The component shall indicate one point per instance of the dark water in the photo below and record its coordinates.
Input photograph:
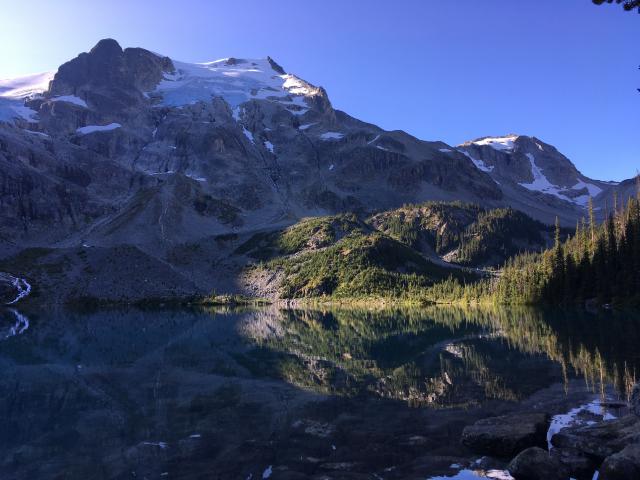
(289, 394)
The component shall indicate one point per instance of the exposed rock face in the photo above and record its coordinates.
(535, 463)
(109, 78)
(600, 440)
(507, 435)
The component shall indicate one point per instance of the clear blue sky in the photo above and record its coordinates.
(565, 71)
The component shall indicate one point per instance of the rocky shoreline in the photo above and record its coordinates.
(578, 446)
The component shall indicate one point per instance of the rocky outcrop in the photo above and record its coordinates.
(507, 435)
(108, 76)
(613, 446)
(535, 463)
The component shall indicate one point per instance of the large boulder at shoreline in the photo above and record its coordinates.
(535, 463)
(622, 465)
(507, 435)
(580, 465)
(600, 440)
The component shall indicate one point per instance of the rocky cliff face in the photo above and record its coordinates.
(129, 147)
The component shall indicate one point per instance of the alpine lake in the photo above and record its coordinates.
(340, 393)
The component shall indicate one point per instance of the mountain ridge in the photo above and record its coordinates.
(127, 147)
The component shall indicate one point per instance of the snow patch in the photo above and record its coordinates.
(475, 474)
(541, 183)
(498, 143)
(40, 134)
(26, 86)
(12, 109)
(306, 126)
(332, 136)
(97, 128)
(267, 472)
(269, 146)
(235, 80)
(14, 91)
(71, 99)
(248, 134)
(194, 177)
(480, 165)
(236, 113)
(445, 150)
(374, 140)
(593, 190)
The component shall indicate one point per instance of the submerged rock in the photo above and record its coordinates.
(535, 463)
(507, 435)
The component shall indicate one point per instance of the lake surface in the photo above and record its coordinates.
(289, 394)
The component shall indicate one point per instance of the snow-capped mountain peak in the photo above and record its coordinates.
(235, 80)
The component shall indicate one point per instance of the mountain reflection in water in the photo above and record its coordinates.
(104, 393)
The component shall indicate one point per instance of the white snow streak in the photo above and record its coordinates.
(71, 99)
(480, 165)
(331, 136)
(97, 128)
(248, 134)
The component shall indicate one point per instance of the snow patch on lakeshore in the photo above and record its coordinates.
(572, 418)
(467, 474)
